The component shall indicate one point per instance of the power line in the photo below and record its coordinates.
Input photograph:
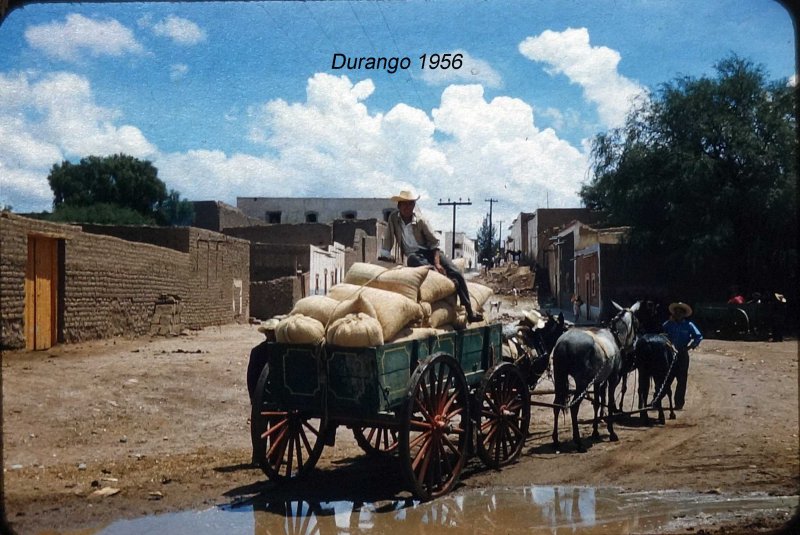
(454, 204)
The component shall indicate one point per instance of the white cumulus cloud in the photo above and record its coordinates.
(471, 71)
(47, 118)
(79, 35)
(329, 144)
(594, 68)
(181, 31)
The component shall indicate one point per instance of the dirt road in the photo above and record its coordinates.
(165, 423)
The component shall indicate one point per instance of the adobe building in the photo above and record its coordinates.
(291, 261)
(293, 210)
(598, 265)
(67, 283)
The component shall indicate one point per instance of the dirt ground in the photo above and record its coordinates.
(164, 422)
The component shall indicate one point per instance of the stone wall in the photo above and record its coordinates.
(111, 286)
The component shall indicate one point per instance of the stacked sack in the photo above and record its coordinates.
(375, 305)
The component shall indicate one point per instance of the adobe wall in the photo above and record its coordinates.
(271, 260)
(216, 216)
(317, 234)
(271, 298)
(111, 286)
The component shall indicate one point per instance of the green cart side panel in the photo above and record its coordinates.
(295, 380)
(472, 345)
(494, 350)
(365, 382)
(444, 343)
(352, 384)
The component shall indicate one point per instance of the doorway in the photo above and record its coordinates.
(41, 293)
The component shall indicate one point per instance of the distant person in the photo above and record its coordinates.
(515, 296)
(420, 246)
(684, 335)
(777, 317)
(577, 302)
(736, 297)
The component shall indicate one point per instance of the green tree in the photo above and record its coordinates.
(92, 189)
(485, 242)
(705, 173)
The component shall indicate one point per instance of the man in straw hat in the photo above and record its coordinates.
(684, 335)
(421, 247)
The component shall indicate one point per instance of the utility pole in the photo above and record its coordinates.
(500, 236)
(454, 204)
(491, 232)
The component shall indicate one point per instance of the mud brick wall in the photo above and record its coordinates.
(271, 298)
(218, 279)
(216, 216)
(270, 261)
(111, 286)
(318, 234)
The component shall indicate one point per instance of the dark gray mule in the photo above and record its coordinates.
(654, 357)
(591, 356)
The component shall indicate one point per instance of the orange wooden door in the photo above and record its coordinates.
(41, 293)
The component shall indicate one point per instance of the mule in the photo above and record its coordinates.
(654, 357)
(592, 356)
(532, 346)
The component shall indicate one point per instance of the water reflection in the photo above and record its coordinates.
(546, 510)
(528, 510)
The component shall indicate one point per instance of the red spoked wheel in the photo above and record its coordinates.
(504, 415)
(288, 442)
(376, 440)
(435, 427)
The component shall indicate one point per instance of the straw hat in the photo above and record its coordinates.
(680, 308)
(405, 196)
(535, 318)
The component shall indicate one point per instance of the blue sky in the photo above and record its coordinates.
(240, 99)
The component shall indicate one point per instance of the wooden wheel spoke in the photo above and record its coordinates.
(423, 409)
(271, 430)
(422, 453)
(311, 428)
(419, 425)
(419, 438)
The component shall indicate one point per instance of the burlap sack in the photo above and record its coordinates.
(442, 313)
(355, 330)
(318, 307)
(355, 305)
(299, 329)
(478, 295)
(435, 287)
(392, 309)
(361, 273)
(460, 263)
(415, 333)
(403, 280)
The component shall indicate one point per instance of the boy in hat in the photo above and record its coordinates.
(421, 247)
(684, 335)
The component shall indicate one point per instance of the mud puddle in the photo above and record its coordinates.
(529, 510)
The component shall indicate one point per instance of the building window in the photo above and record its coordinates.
(350, 214)
(311, 217)
(273, 217)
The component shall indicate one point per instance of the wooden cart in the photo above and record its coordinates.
(430, 402)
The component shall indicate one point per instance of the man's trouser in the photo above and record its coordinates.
(425, 257)
(681, 374)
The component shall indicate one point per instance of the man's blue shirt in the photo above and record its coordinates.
(683, 333)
